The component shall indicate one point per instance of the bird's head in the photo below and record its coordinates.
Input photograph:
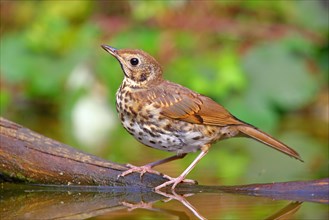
(139, 68)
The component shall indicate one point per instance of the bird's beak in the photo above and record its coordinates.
(110, 50)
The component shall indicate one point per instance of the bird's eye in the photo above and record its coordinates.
(134, 61)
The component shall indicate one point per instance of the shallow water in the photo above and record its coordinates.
(46, 202)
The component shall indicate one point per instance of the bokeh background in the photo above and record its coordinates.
(265, 61)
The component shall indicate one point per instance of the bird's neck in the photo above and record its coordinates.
(127, 82)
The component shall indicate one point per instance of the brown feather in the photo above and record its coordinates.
(185, 105)
(268, 140)
(214, 114)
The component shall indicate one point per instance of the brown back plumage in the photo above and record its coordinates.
(180, 103)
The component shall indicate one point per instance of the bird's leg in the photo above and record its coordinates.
(169, 197)
(148, 167)
(180, 178)
(182, 199)
(166, 160)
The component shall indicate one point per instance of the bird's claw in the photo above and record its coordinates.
(174, 181)
(141, 205)
(135, 169)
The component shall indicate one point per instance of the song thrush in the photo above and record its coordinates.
(170, 117)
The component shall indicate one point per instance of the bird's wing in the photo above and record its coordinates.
(180, 103)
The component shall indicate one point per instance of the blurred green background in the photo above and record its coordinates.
(265, 61)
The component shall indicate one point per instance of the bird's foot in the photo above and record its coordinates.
(135, 169)
(174, 181)
(141, 205)
(182, 199)
(172, 195)
(189, 181)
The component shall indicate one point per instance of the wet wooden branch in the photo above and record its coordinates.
(27, 156)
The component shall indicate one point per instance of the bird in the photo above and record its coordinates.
(170, 117)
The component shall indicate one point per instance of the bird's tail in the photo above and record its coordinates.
(268, 140)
